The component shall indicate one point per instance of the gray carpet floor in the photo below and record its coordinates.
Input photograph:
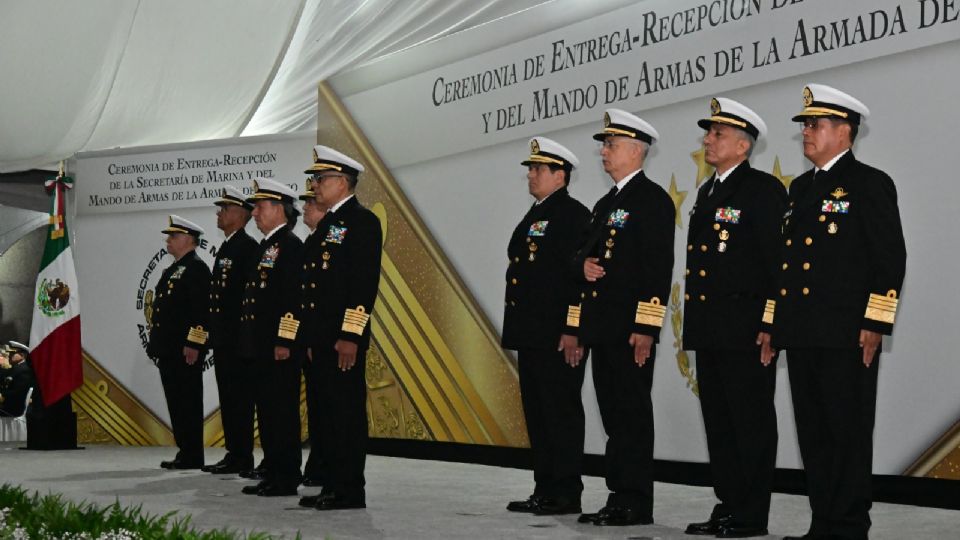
(405, 499)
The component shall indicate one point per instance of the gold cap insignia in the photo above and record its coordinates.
(170, 221)
(534, 146)
(315, 156)
(256, 186)
(807, 96)
(606, 119)
(714, 106)
(306, 185)
(839, 193)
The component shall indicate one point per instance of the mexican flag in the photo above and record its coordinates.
(55, 334)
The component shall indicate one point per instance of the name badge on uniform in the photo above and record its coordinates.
(618, 218)
(538, 228)
(727, 215)
(178, 271)
(836, 207)
(336, 234)
(270, 257)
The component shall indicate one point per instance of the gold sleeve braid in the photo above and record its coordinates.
(288, 327)
(197, 335)
(355, 320)
(768, 311)
(882, 308)
(573, 316)
(650, 313)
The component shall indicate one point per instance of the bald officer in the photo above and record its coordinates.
(540, 282)
(843, 263)
(269, 323)
(178, 339)
(341, 288)
(733, 253)
(626, 261)
(234, 376)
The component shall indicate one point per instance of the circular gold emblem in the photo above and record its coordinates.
(606, 119)
(714, 106)
(534, 146)
(807, 96)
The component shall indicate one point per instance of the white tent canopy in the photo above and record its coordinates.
(78, 76)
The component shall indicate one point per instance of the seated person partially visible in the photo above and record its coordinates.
(16, 381)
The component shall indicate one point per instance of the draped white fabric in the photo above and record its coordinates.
(106, 73)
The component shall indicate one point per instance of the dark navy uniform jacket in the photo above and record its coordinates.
(632, 233)
(843, 258)
(733, 259)
(181, 308)
(540, 278)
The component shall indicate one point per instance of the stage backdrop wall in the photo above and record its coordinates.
(453, 135)
(442, 139)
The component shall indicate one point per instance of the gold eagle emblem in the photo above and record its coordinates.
(839, 193)
(807, 96)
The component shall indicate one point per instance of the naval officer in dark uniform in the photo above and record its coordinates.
(234, 376)
(341, 290)
(843, 262)
(16, 380)
(178, 339)
(540, 283)
(314, 470)
(626, 261)
(269, 323)
(733, 250)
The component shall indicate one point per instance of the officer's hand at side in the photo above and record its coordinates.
(869, 341)
(281, 353)
(190, 355)
(766, 351)
(592, 269)
(641, 347)
(348, 354)
(572, 353)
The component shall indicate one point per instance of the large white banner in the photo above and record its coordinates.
(454, 135)
(122, 202)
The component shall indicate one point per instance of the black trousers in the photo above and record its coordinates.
(834, 403)
(553, 410)
(626, 409)
(343, 400)
(314, 468)
(183, 390)
(235, 388)
(740, 419)
(277, 396)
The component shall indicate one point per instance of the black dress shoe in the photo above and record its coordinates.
(252, 474)
(227, 468)
(309, 501)
(167, 464)
(277, 490)
(186, 465)
(210, 468)
(254, 489)
(340, 503)
(733, 529)
(529, 506)
(620, 516)
(710, 527)
(549, 506)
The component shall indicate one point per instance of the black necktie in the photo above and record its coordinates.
(606, 202)
(714, 182)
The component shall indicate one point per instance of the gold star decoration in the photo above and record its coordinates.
(703, 169)
(784, 179)
(678, 198)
